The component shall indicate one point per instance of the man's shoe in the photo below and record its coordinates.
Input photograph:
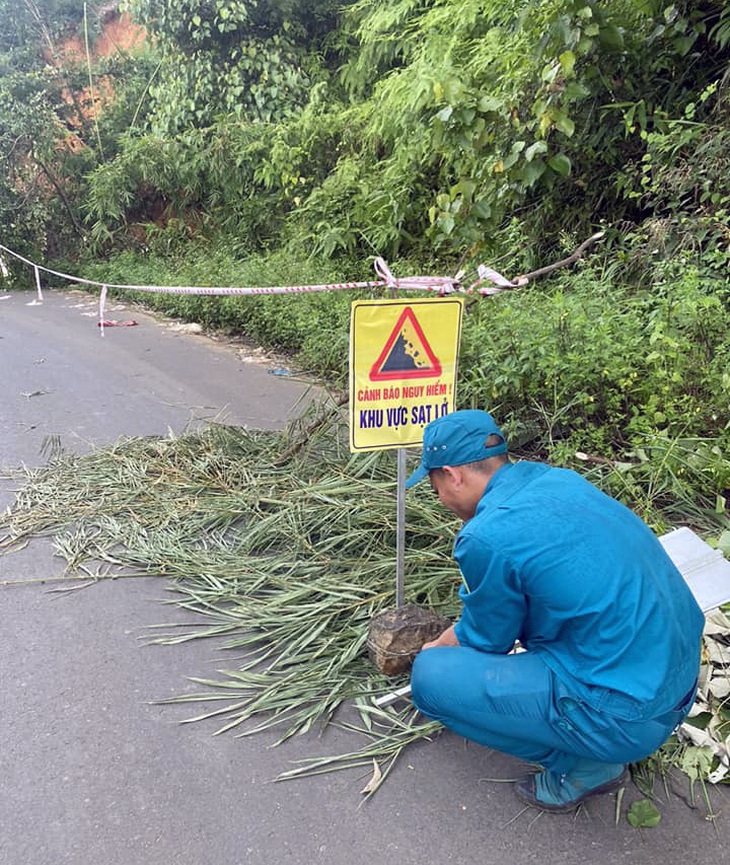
(559, 794)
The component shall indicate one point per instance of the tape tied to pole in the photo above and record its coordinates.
(38, 282)
(102, 304)
(441, 285)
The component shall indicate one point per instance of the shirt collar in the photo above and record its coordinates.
(505, 482)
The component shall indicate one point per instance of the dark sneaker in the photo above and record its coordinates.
(562, 793)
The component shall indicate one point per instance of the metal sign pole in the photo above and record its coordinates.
(401, 529)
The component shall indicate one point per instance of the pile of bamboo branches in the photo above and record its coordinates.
(284, 545)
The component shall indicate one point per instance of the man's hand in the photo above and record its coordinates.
(448, 638)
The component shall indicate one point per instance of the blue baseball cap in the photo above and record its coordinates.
(456, 439)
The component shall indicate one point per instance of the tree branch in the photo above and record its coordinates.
(61, 194)
(503, 284)
(571, 259)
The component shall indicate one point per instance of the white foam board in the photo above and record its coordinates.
(706, 571)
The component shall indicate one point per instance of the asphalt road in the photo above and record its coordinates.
(93, 771)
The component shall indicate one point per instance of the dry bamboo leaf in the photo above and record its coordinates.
(702, 739)
(719, 685)
(373, 784)
(716, 622)
(717, 652)
(699, 707)
(718, 774)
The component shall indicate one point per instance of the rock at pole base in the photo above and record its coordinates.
(395, 636)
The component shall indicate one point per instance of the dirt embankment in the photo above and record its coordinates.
(118, 34)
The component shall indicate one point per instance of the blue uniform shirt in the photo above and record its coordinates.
(551, 561)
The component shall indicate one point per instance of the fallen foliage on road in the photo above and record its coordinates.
(283, 546)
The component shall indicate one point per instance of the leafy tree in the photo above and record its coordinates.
(445, 120)
(29, 126)
(533, 107)
(253, 59)
(232, 81)
(53, 130)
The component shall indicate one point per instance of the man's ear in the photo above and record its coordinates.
(454, 473)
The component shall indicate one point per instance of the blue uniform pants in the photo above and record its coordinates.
(517, 705)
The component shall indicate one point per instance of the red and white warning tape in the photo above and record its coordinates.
(441, 285)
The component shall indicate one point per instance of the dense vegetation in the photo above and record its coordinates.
(270, 142)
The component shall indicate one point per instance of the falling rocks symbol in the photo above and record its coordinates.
(402, 356)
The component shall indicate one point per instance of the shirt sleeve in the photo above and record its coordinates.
(494, 605)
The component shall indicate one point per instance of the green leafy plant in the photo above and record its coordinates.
(643, 814)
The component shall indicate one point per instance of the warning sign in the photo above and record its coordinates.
(403, 362)
(407, 353)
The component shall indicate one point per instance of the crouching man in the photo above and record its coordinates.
(611, 632)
